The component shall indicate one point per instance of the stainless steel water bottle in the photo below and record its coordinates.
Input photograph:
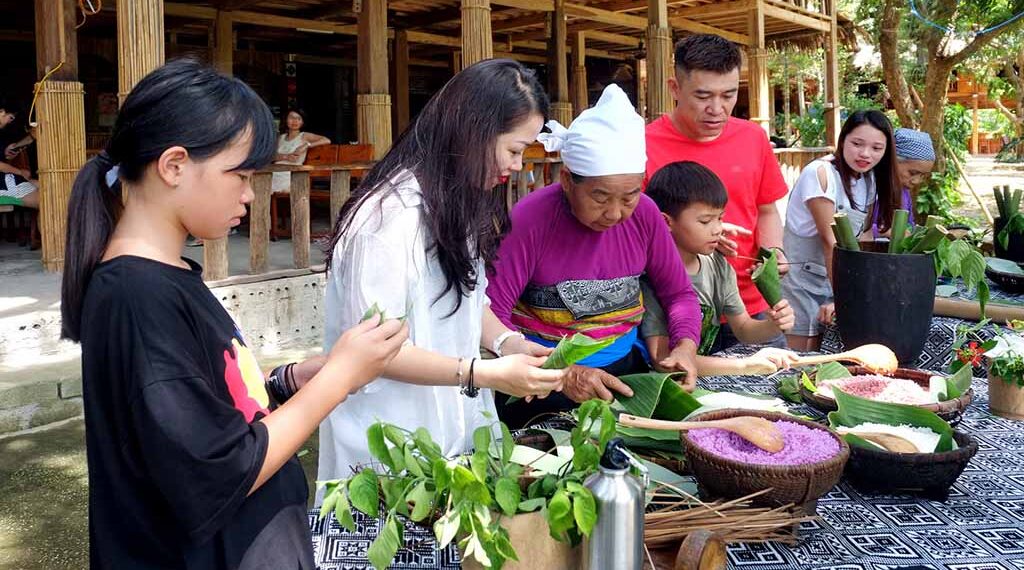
(617, 541)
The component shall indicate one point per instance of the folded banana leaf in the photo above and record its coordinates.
(766, 277)
(657, 395)
(854, 410)
(571, 350)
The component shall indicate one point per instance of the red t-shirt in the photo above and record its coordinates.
(743, 159)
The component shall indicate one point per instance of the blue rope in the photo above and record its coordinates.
(917, 14)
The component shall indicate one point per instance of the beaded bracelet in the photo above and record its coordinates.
(281, 383)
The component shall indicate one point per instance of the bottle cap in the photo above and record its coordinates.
(614, 455)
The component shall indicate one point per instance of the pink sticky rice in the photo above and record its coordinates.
(803, 445)
(879, 388)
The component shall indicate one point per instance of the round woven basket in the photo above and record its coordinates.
(927, 474)
(951, 410)
(719, 477)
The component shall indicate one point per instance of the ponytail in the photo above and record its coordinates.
(183, 103)
(92, 214)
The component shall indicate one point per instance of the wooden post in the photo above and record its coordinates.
(641, 88)
(224, 54)
(477, 44)
(373, 103)
(771, 108)
(140, 42)
(259, 223)
(60, 113)
(832, 77)
(401, 90)
(757, 69)
(801, 98)
(341, 189)
(974, 123)
(580, 97)
(300, 219)
(659, 59)
(561, 108)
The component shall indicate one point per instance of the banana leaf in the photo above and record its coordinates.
(854, 411)
(373, 310)
(656, 395)
(766, 277)
(959, 383)
(831, 371)
(571, 350)
(709, 328)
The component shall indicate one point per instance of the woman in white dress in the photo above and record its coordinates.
(292, 146)
(416, 238)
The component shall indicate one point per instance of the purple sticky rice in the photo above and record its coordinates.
(803, 445)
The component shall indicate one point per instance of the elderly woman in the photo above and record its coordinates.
(573, 260)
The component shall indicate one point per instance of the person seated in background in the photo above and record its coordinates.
(292, 146)
(692, 202)
(573, 259)
(17, 187)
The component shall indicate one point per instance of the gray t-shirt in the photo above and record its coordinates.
(715, 285)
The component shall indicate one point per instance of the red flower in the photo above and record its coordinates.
(971, 354)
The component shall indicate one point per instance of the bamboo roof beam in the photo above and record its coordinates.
(802, 20)
(689, 25)
(529, 5)
(606, 16)
(716, 9)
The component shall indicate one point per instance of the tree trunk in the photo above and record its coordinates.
(892, 72)
(934, 98)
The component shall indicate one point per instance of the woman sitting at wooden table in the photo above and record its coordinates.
(573, 259)
(292, 146)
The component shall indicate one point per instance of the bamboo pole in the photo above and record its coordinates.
(757, 69)
(832, 106)
(140, 42)
(373, 102)
(477, 44)
(215, 259)
(561, 108)
(659, 59)
(60, 137)
(580, 96)
(300, 218)
(259, 223)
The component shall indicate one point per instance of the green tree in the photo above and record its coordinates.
(1001, 66)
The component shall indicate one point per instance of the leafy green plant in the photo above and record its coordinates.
(1008, 204)
(468, 496)
(811, 126)
(1005, 353)
(955, 257)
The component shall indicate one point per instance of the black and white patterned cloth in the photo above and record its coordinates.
(980, 526)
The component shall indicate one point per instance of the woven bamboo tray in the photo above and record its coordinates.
(928, 474)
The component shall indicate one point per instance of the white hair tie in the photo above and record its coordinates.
(111, 175)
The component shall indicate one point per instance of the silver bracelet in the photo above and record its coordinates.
(458, 374)
(500, 341)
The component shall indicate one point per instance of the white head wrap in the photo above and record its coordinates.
(606, 139)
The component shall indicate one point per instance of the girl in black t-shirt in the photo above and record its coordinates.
(188, 465)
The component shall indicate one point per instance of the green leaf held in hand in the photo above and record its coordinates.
(571, 350)
(657, 395)
(766, 277)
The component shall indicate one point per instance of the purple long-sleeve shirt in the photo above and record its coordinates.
(548, 246)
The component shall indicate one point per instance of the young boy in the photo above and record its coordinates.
(692, 201)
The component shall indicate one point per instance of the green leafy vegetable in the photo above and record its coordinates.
(571, 350)
(766, 277)
(789, 389)
(854, 410)
(805, 380)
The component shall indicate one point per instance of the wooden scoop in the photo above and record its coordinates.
(759, 431)
(889, 442)
(875, 357)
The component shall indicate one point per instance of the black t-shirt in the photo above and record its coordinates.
(172, 402)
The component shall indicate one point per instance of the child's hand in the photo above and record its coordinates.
(769, 361)
(364, 350)
(782, 315)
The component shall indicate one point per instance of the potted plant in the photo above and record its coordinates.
(1004, 356)
(1008, 227)
(488, 500)
(884, 292)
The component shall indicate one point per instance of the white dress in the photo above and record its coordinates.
(282, 181)
(384, 259)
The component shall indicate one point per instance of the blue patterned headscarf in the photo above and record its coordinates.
(913, 145)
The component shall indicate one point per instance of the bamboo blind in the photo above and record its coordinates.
(374, 121)
(561, 111)
(477, 44)
(758, 85)
(140, 42)
(61, 149)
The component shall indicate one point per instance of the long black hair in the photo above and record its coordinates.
(182, 104)
(889, 195)
(449, 148)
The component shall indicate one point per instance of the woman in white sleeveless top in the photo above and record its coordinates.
(859, 178)
(292, 146)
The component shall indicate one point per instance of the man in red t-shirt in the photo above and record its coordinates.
(700, 129)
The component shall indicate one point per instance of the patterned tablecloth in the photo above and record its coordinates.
(980, 527)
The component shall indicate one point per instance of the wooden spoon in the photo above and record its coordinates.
(889, 442)
(759, 431)
(875, 357)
